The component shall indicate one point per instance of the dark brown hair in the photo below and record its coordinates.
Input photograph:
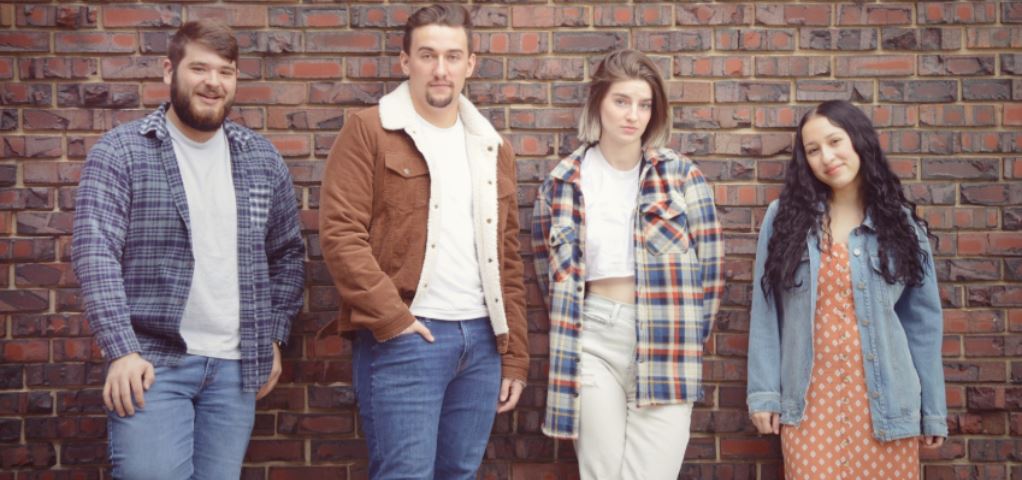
(211, 34)
(626, 64)
(446, 14)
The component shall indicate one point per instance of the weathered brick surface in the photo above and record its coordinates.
(939, 79)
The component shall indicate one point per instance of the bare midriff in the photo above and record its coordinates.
(620, 289)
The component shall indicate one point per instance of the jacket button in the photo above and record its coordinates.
(856, 252)
(432, 246)
(860, 285)
(489, 220)
(489, 260)
(865, 323)
(876, 394)
(407, 171)
(489, 148)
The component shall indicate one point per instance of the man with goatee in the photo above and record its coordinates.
(188, 249)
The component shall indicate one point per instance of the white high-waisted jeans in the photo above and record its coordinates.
(617, 439)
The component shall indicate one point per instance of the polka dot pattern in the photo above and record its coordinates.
(835, 439)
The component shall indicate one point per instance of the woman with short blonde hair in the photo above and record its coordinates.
(628, 254)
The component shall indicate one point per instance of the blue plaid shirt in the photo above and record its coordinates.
(132, 250)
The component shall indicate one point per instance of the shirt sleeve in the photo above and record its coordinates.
(285, 253)
(709, 242)
(102, 202)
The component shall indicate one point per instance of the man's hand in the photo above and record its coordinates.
(931, 441)
(274, 374)
(766, 422)
(127, 377)
(510, 391)
(419, 328)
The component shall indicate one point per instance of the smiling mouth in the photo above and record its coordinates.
(834, 169)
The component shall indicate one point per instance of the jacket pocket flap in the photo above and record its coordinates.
(405, 165)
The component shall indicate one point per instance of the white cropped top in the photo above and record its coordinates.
(610, 197)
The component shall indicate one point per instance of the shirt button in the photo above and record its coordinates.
(856, 252)
(489, 260)
(578, 289)
(436, 206)
(432, 246)
(489, 220)
(496, 300)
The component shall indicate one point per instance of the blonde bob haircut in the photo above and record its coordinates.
(626, 64)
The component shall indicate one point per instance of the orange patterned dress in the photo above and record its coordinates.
(835, 438)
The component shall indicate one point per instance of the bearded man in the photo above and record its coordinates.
(188, 249)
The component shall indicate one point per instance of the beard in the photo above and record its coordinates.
(182, 104)
(439, 102)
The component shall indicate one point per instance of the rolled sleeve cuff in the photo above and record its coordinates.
(117, 344)
(281, 329)
(764, 402)
(935, 426)
(510, 368)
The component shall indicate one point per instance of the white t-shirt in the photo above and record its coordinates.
(455, 289)
(610, 197)
(211, 324)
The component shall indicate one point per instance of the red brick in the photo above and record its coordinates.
(565, 17)
(799, 67)
(746, 39)
(713, 14)
(845, 39)
(24, 42)
(511, 43)
(304, 68)
(380, 16)
(374, 68)
(545, 69)
(22, 351)
(132, 68)
(823, 90)
(344, 94)
(134, 16)
(932, 38)
(875, 66)
(873, 15)
(56, 67)
(781, 15)
(687, 40)
(343, 42)
(35, 94)
(237, 16)
(918, 91)
(486, 93)
(730, 91)
(956, 13)
(97, 42)
(688, 66)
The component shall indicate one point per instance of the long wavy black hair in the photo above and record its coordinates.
(804, 206)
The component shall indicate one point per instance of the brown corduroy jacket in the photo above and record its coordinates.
(376, 223)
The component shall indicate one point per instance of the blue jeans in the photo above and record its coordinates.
(427, 409)
(195, 425)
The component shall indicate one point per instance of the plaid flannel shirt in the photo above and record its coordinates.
(679, 279)
(132, 247)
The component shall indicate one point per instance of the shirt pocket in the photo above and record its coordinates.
(563, 241)
(406, 182)
(887, 293)
(665, 228)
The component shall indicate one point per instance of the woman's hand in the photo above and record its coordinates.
(766, 422)
(931, 441)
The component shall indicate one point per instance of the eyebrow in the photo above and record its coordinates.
(198, 63)
(433, 50)
(625, 95)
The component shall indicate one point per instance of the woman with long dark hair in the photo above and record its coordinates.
(846, 324)
(628, 254)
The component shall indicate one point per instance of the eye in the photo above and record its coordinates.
(646, 106)
(619, 102)
(453, 58)
(811, 151)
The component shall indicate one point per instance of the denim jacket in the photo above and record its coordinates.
(901, 328)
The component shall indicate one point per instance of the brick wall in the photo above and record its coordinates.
(940, 79)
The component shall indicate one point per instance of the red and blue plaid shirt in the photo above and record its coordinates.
(679, 279)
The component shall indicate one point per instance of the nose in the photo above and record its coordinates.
(440, 71)
(633, 112)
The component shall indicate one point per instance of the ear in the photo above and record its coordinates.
(471, 65)
(405, 68)
(168, 71)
